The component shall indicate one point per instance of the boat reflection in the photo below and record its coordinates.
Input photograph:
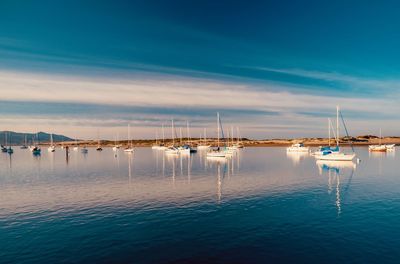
(297, 157)
(336, 170)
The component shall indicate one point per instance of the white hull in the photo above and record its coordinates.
(216, 154)
(184, 151)
(203, 147)
(129, 150)
(336, 157)
(298, 149)
(51, 149)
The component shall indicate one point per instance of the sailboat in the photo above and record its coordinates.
(336, 155)
(99, 148)
(4, 148)
(157, 145)
(239, 143)
(218, 152)
(76, 144)
(35, 148)
(116, 147)
(9, 148)
(130, 148)
(380, 147)
(51, 148)
(327, 149)
(25, 145)
(203, 144)
(172, 149)
(186, 148)
(232, 147)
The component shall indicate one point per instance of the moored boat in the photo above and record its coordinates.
(334, 154)
(298, 147)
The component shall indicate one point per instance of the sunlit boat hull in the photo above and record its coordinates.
(336, 157)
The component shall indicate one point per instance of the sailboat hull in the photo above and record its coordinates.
(336, 157)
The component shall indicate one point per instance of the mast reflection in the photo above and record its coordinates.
(336, 170)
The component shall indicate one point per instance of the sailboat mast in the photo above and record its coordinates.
(218, 129)
(187, 132)
(232, 134)
(380, 136)
(129, 134)
(163, 134)
(172, 132)
(329, 132)
(337, 125)
(205, 135)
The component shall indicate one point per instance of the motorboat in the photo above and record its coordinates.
(298, 147)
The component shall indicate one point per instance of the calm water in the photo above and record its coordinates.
(260, 206)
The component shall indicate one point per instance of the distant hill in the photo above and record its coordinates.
(15, 138)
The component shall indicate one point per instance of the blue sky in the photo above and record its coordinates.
(274, 68)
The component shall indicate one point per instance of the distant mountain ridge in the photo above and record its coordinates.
(17, 138)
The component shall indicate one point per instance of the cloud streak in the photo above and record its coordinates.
(106, 102)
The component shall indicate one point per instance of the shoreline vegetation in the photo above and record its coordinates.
(313, 142)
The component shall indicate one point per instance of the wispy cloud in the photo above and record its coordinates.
(359, 86)
(106, 102)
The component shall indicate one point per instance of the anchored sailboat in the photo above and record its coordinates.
(381, 147)
(172, 149)
(51, 148)
(25, 145)
(336, 154)
(130, 148)
(99, 148)
(203, 144)
(217, 152)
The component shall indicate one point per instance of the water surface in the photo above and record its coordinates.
(262, 205)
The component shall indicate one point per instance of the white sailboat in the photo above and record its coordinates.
(381, 147)
(203, 145)
(99, 148)
(76, 144)
(172, 149)
(218, 152)
(157, 145)
(162, 145)
(9, 148)
(327, 149)
(116, 147)
(51, 148)
(25, 145)
(336, 155)
(130, 148)
(186, 148)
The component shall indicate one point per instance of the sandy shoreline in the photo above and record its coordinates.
(313, 142)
